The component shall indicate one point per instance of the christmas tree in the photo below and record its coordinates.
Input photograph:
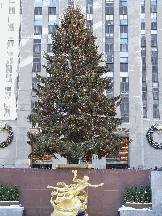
(74, 116)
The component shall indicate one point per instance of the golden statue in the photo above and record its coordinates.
(68, 200)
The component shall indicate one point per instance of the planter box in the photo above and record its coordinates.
(75, 166)
(129, 211)
(11, 210)
(138, 205)
(8, 203)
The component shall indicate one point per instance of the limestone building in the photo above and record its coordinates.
(129, 36)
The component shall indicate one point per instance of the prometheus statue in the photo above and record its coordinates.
(68, 199)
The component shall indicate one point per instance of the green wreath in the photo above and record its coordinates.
(150, 137)
(9, 138)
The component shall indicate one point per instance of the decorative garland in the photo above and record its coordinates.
(150, 137)
(9, 138)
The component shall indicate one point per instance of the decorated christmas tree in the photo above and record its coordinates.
(74, 116)
(137, 194)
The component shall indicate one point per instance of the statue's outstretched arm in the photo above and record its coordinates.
(95, 185)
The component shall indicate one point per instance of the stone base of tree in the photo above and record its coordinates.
(129, 211)
(75, 166)
(11, 210)
(8, 203)
(138, 205)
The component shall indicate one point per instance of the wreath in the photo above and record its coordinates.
(9, 138)
(149, 136)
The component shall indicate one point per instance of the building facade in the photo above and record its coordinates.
(129, 36)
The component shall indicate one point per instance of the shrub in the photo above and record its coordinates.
(142, 195)
(9, 193)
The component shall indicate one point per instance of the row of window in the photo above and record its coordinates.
(51, 11)
(38, 29)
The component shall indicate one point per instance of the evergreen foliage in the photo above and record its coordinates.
(74, 116)
(134, 194)
(9, 193)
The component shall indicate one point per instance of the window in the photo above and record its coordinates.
(34, 82)
(36, 48)
(49, 47)
(142, 18)
(154, 56)
(123, 45)
(109, 17)
(111, 67)
(7, 92)
(38, 3)
(109, 58)
(144, 86)
(124, 107)
(37, 30)
(37, 11)
(153, 26)
(90, 25)
(51, 19)
(142, 26)
(10, 43)
(154, 69)
(109, 48)
(123, 67)
(144, 95)
(10, 60)
(8, 77)
(51, 29)
(142, 6)
(122, 10)
(11, 27)
(143, 68)
(36, 67)
(109, 10)
(144, 112)
(109, 3)
(143, 40)
(153, 21)
(7, 111)
(143, 60)
(52, 3)
(155, 85)
(123, 20)
(123, 31)
(12, 8)
(109, 30)
(155, 95)
(153, 6)
(89, 9)
(153, 17)
(154, 77)
(155, 111)
(38, 20)
(37, 59)
(154, 40)
(143, 77)
(143, 51)
(52, 11)
(37, 41)
(124, 59)
(8, 68)
(124, 85)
